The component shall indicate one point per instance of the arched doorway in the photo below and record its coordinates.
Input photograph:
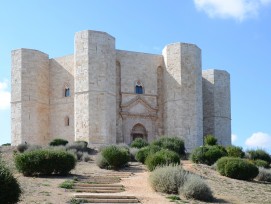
(139, 131)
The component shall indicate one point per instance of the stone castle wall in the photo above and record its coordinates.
(178, 98)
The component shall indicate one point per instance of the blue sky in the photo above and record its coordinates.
(234, 35)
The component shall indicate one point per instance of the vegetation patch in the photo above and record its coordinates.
(144, 152)
(259, 154)
(45, 162)
(210, 140)
(207, 154)
(161, 158)
(195, 188)
(235, 151)
(58, 142)
(174, 144)
(10, 190)
(237, 168)
(68, 184)
(168, 179)
(264, 175)
(139, 143)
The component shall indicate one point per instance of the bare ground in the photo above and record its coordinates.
(45, 190)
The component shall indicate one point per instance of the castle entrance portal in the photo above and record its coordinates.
(139, 131)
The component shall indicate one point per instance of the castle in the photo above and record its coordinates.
(106, 96)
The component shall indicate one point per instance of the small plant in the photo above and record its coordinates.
(264, 175)
(162, 157)
(237, 168)
(174, 144)
(33, 147)
(45, 161)
(210, 140)
(168, 179)
(22, 147)
(77, 201)
(143, 153)
(116, 157)
(234, 151)
(173, 198)
(6, 144)
(133, 151)
(196, 188)
(101, 161)
(58, 142)
(68, 184)
(10, 190)
(261, 163)
(139, 143)
(208, 154)
(259, 154)
(86, 157)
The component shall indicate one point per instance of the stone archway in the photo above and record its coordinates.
(139, 131)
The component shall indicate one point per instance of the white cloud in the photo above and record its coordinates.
(260, 140)
(233, 138)
(236, 9)
(4, 96)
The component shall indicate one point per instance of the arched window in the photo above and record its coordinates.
(67, 92)
(67, 121)
(139, 87)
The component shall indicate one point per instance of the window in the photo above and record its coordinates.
(67, 121)
(139, 87)
(67, 92)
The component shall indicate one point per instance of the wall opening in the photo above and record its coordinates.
(67, 121)
(139, 87)
(139, 131)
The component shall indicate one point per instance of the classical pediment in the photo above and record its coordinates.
(138, 107)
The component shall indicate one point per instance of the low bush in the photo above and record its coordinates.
(171, 143)
(264, 175)
(261, 163)
(115, 156)
(210, 140)
(68, 184)
(33, 147)
(196, 188)
(22, 147)
(168, 179)
(10, 190)
(237, 168)
(139, 143)
(143, 153)
(86, 157)
(6, 144)
(207, 154)
(161, 158)
(234, 151)
(100, 161)
(58, 142)
(133, 151)
(45, 161)
(259, 154)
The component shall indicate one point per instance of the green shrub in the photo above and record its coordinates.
(133, 151)
(82, 142)
(143, 153)
(261, 163)
(171, 143)
(58, 142)
(162, 157)
(6, 144)
(45, 161)
(210, 140)
(237, 168)
(234, 151)
(115, 156)
(139, 143)
(259, 154)
(101, 162)
(22, 147)
(264, 175)
(9, 187)
(33, 147)
(68, 184)
(207, 154)
(168, 179)
(196, 188)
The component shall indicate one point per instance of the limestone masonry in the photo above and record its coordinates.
(105, 96)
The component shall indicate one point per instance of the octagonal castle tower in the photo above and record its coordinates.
(104, 96)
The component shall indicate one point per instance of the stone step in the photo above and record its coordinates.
(105, 196)
(93, 200)
(85, 190)
(97, 185)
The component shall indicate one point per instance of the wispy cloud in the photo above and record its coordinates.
(4, 95)
(236, 9)
(259, 140)
(233, 138)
